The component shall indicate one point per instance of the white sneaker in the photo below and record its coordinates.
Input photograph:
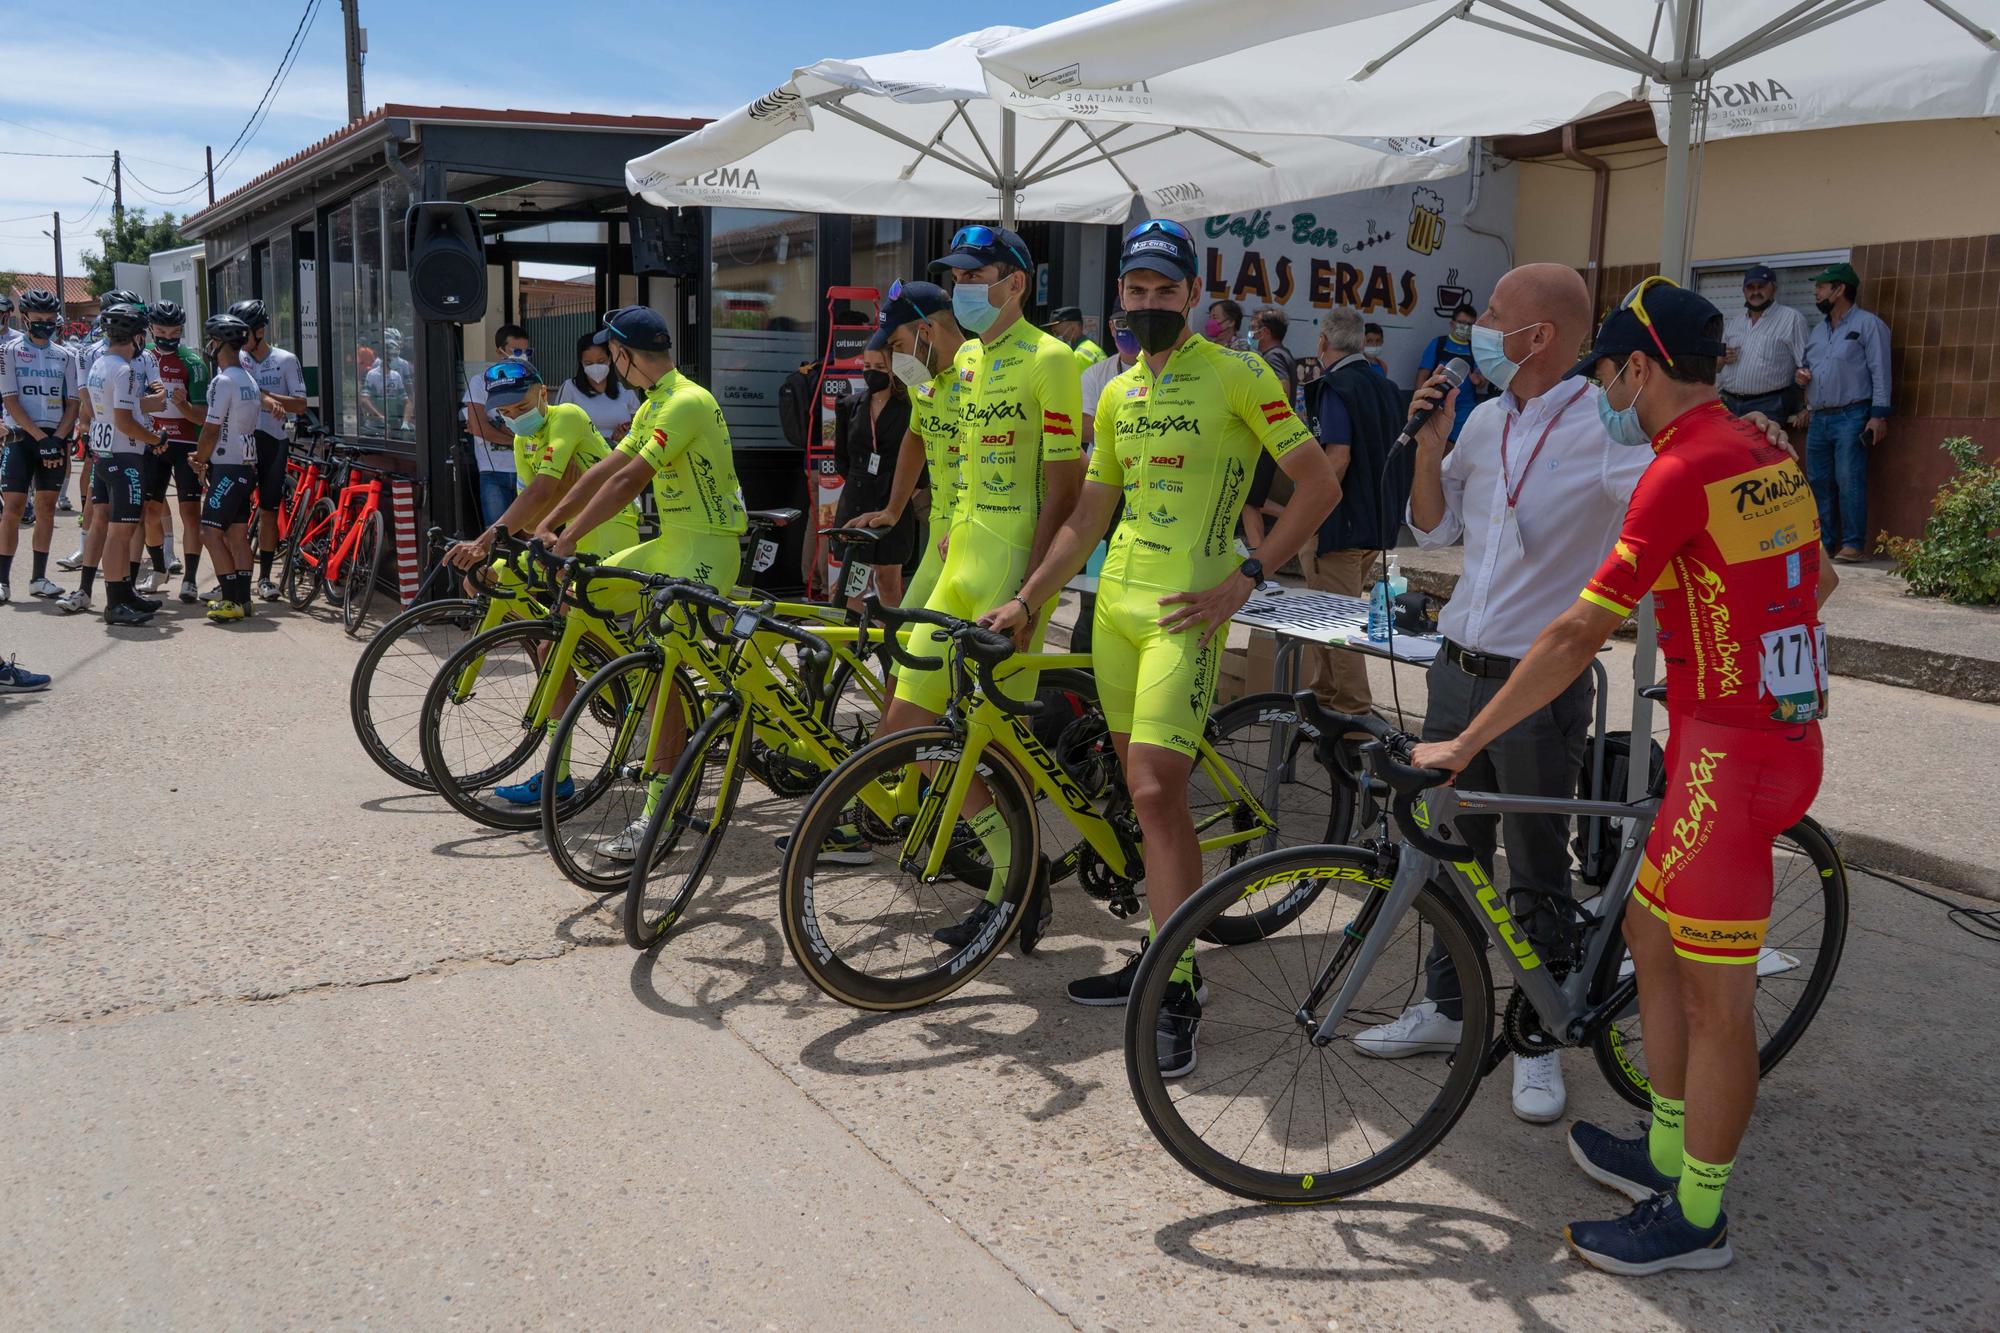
(45, 587)
(73, 601)
(6, 594)
(71, 562)
(149, 582)
(624, 846)
(1421, 1030)
(1539, 1096)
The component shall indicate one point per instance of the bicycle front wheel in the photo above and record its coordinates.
(485, 728)
(385, 698)
(1266, 1113)
(858, 912)
(690, 810)
(362, 569)
(601, 746)
(1802, 948)
(304, 572)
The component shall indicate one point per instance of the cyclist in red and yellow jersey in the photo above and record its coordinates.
(1723, 531)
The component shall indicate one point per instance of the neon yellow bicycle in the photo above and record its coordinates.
(899, 929)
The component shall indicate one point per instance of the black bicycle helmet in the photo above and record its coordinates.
(226, 329)
(41, 301)
(166, 314)
(6, 304)
(252, 313)
(120, 296)
(124, 322)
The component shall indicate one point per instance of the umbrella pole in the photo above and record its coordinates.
(1674, 245)
(1007, 175)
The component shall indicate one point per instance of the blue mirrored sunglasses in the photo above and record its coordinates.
(982, 237)
(1166, 225)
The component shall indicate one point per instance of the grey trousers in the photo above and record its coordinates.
(1542, 755)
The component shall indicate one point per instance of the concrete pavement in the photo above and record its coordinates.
(529, 1130)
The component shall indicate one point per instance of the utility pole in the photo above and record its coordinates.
(209, 150)
(62, 314)
(117, 188)
(357, 47)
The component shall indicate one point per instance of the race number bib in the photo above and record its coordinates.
(856, 581)
(1792, 670)
(100, 438)
(765, 555)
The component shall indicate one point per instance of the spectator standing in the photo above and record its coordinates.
(1224, 327)
(1846, 377)
(1455, 342)
(868, 439)
(1103, 372)
(492, 444)
(1358, 414)
(1372, 348)
(1066, 323)
(606, 399)
(1268, 492)
(1267, 333)
(1767, 345)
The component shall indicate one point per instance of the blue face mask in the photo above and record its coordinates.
(970, 306)
(1489, 353)
(1622, 424)
(528, 422)
(1128, 342)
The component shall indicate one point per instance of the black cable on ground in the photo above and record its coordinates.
(1979, 922)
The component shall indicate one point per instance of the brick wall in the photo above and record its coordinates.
(1941, 299)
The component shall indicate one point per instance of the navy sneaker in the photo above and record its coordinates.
(1652, 1238)
(17, 679)
(1625, 1165)
(961, 933)
(530, 792)
(1174, 1029)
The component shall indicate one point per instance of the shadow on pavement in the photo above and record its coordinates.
(426, 803)
(1493, 1258)
(496, 845)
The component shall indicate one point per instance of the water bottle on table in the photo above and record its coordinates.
(1382, 602)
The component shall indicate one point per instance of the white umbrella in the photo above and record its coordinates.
(916, 132)
(1488, 67)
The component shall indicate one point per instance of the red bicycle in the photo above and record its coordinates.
(336, 545)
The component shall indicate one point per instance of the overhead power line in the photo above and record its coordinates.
(285, 63)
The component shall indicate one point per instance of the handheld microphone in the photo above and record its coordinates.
(1455, 371)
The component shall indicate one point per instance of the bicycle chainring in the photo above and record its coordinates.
(1114, 892)
(786, 775)
(1522, 1028)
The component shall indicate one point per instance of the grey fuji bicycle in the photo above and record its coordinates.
(1283, 1108)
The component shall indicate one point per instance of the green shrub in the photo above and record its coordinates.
(1958, 557)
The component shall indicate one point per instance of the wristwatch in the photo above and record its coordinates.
(1252, 569)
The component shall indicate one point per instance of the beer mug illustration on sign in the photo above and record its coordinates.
(1426, 221)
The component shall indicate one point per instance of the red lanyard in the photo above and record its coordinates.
(1514, 495)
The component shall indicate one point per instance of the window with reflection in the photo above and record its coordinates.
(763, 314)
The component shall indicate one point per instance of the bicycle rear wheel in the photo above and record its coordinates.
(603, 737)
(1260, 738)
(386, 695)
(476, 730)
(864, 933)
(305, 556)
(362, 570)
(691, 810)
(1802, 948)
(1266, 1114)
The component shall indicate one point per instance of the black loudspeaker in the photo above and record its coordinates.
(447, 262)
(665, 241)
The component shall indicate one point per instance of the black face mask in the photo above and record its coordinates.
(876, 380)
(42, 328)
(167, 344)
(1824, 307)
(1754, 306)
(1156, 330)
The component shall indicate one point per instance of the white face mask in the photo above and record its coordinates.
(1373, 353)
(912, 372)
(598, 371)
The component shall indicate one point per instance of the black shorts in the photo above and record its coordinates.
(272, 453)
(180, 457)
(896, 544)
(27, 464)
(154, 472)
(123, 480)
(98, 473)
(228, 500)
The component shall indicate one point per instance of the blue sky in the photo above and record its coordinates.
(178, 91)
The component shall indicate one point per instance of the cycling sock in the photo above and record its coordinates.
(6, 569)
(242, 588)
(990, 827)
(1700, 1191)
(264, 559)
(167, 546)
(1663, 1138)
(117, 592)
(133, 577)
(41, 564)
(191, 564)
(158, 555)
(1184, 967)
(89, 573)
(562, 760)
(655, 789)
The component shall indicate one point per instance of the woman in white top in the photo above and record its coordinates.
(609, 401)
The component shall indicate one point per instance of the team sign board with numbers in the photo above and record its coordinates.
(1402, 255)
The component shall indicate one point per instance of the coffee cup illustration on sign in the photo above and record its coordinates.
(1450, 295)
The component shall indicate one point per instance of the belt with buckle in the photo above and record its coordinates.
(1475, 663)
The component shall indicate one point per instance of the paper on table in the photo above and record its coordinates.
(1409, 647)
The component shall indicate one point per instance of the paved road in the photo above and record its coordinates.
(282, 1044)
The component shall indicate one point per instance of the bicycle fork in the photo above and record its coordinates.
(1364, 942)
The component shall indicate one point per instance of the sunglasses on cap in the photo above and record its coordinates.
(981, 237)
(1635, 301)
(1166, 225)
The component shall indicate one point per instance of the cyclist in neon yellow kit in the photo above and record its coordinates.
(1178, 437)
